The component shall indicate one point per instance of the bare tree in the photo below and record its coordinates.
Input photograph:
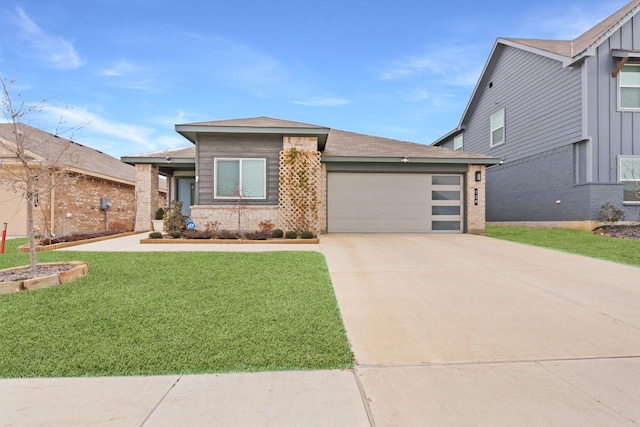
(31, 176)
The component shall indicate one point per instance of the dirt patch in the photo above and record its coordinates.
(619, 231)
(41, 271)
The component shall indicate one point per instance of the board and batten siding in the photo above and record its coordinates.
(256, 146)
(542, 103)
(612, 132)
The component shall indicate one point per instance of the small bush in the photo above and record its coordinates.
(291, 234)
(306, 234)
(160, 214)
(196, 234)
(212, 226)
(257, 235)
(76, 237)
(610, 214)
(266, 226)
(226, 234)
(175, 234)
(277, 233)
(155, 235)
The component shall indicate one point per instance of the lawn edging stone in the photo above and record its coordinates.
(79, 270)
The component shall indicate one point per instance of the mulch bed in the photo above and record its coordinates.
(41, 271)
(619, 231)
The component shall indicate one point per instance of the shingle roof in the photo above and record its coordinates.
(70, 154)
(591, 38)
(182, 152)
(349, 144)
(258, 122)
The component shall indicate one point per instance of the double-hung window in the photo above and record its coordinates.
(497, 128)
(629, 87)
(240, 178)
(630, 178)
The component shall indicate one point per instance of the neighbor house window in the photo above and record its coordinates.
(630, 178)
(236, 178)
(629, 87)
(458, 142)
(497, 128)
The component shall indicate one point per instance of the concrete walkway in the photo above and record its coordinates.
(446, 330)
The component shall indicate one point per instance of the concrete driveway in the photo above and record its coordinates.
(468, 330)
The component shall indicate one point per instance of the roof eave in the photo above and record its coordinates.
(409, 159)
(133, 160)
(191, 131)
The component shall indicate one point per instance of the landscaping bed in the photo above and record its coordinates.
(619, 231)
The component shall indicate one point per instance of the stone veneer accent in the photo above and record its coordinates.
(476, 213)
(147, 200)
(227, 216)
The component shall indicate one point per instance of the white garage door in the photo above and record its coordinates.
(13, 212)
(394, 203)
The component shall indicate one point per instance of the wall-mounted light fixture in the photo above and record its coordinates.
(478, 176)
(404, 160)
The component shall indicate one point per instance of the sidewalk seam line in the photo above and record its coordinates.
(164, 396)
(363, 396)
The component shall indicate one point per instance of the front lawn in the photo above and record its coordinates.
(174, 313)
(624, 251)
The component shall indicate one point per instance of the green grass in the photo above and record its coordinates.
(623, 251)
(174, 313)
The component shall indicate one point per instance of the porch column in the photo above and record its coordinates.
(147, 198)
(476, 207)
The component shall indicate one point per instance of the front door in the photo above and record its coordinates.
(186, 194)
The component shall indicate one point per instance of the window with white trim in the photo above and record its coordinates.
(240, 178)
(630, 178)
(629, 87)
(458, 142)
(497, 128)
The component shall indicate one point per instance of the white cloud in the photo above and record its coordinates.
(323, 102)
(120, 69)
(54, 50)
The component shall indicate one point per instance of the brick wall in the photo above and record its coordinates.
(476, 213)
(227, 216)
(77, 207)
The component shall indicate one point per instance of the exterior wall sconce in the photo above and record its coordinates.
(478, 176)
(404, 160)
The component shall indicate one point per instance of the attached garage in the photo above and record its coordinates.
(394, 203)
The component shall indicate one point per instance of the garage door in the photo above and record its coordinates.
(13, 211)
(394, 203)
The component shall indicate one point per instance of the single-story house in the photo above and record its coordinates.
(75, 206)
(299, 175)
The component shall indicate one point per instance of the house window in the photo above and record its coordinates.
(629, 87)
(240, 178)
(458, 142)
(497, 128)
(630, 178)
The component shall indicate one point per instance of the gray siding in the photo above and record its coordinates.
(542, 102)
(612, 132)
(210, 147)
(527, 190)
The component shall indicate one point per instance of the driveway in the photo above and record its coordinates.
(468, 330)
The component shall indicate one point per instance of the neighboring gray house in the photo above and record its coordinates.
(564, 116)
(334, 181)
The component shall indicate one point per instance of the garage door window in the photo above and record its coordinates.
(446, 203)
(445, 195)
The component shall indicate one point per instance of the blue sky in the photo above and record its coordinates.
(132, 69)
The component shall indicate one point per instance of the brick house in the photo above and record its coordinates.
(72, 207)
(299, 175)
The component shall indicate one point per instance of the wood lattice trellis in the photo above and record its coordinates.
(300, 177)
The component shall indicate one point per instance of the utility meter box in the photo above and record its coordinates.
(105, 203)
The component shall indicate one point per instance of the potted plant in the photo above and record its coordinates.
(158, 221)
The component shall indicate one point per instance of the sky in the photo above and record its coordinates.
(117, 75)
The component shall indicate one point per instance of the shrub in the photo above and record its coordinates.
(212, 226)
(75, 237)
(226, 234)
(306, 234)
(196, 234)
(175, 234)
(291, 234)
(257, 235)
(155, 235)
(610, 214)
(160, 213)
(266, 226)
(173, 218)
(277, 233)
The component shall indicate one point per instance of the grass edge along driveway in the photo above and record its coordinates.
(623, 251)
(162, 313)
